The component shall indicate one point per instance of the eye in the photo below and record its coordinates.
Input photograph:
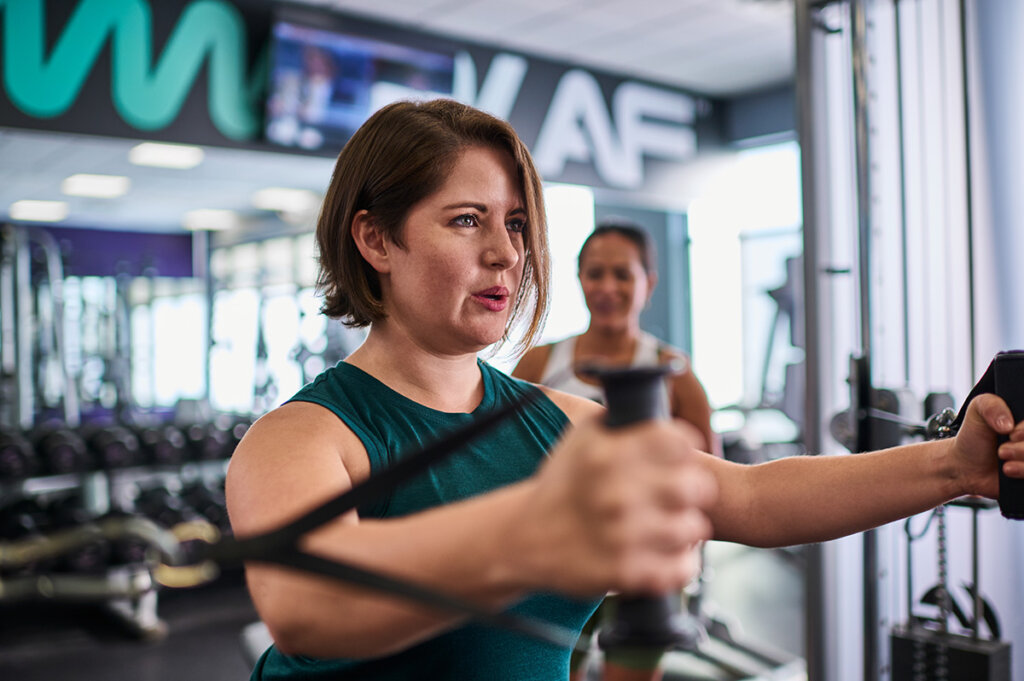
(466, 220)
(517, 225)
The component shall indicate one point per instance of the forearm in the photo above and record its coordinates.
(807, 499)
(464, 550)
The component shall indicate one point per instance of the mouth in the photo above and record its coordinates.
(494, 298)
(604, 308)
(493, 293)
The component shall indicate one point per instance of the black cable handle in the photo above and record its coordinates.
(632, 395)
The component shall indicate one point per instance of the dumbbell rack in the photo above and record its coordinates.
(117, 576)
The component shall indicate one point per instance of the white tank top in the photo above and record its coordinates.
(559, 374)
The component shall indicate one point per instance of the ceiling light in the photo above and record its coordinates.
(166, 155)
(285, 199)
(210, 219)
(98, 186)
(38, 211)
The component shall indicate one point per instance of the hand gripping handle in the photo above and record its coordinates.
(641, 622)
(1009, 385)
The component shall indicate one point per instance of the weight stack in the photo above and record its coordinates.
(967, 658)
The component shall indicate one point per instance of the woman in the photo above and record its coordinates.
(618, 273)
(432, 234)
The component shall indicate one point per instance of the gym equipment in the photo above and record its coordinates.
(925, 648)
(1008, 383)
(24, 520)
(66, 356)
(126, 591)
(635, 394)
(208, 503)
(127, 549)
(90, 558)
(692, 637)
(17, 457)
(114, 446)
(62, 450)
(205, 442)
(162, 445)
(164, 508)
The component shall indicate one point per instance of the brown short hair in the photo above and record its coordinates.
(399, 156)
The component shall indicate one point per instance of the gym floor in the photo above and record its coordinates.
(54, 642)
(759, 592)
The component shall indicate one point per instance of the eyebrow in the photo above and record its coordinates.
(479, 207)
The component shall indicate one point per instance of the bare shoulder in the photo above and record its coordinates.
(575, 407)
(667, 353)
(531, 366)
(289, 460)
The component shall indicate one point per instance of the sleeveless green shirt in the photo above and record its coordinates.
(391, 426)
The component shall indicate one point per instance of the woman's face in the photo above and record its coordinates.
(453, 284)
(615, 285)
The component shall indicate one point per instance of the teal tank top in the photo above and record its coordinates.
(391, 426)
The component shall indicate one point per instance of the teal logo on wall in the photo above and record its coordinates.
(147, 90)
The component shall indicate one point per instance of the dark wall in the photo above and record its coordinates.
(767, 113)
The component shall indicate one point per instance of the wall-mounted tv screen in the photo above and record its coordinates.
(324, 83)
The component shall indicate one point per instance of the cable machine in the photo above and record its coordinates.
(909, 249)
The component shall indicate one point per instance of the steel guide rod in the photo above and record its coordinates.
(861, 376)
(810, 131)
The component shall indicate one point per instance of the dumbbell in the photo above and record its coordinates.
(641, 622)
(1009, 385)
(164, 508)
(17, 456)
(114, 446)
(239, 426)
(25, 519)
(91, 558)
(207, 441)
(209, 503)
(162, 445)
(62, 450)
(125, 550)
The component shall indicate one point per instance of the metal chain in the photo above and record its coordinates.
(942, 649)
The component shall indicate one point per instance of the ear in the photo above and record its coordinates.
(371, 242)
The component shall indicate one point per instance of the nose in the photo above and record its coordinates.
(501, 251)
(606, 283)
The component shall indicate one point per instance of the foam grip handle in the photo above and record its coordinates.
(1009, 385)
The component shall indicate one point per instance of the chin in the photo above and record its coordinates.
(609, 324)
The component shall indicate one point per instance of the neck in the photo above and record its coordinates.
(446, 382)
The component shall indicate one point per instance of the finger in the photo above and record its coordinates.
(1012, 454)
(994, 412)
(657, 572)
(660, 441)
(688, 487)
(681, 531)
(1018, 433)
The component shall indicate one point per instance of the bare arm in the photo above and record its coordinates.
(690, 403)
(291, 463)
(808, 499)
